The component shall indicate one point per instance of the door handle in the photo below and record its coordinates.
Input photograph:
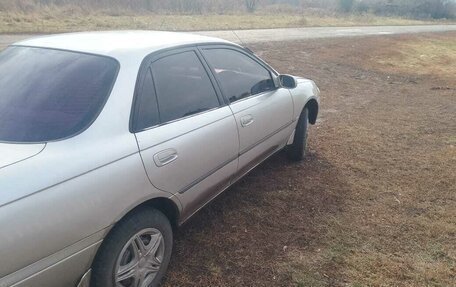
(165, 157)
(246, 120)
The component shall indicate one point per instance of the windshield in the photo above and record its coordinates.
(48, 94)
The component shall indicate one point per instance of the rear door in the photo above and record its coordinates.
(263, 111)
(187, 136)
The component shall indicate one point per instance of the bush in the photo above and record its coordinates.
(362, 7)
(437, 9)
(346, 5)
(251, 5)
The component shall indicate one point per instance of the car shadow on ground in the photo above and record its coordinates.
(254, 226)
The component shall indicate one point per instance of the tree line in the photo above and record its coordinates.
(408, 8)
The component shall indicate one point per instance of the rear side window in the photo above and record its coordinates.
(238, 75)
(146, 113)
(49, 94)
(183, 87)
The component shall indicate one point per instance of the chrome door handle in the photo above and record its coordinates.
(246, 120)
(165, 157)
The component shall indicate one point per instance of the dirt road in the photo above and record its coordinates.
(287, 34)
(269, 35)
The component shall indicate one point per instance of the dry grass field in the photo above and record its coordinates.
(374, 203)
(54, 20)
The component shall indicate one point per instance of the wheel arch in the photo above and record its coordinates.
(163, 204)
(312, 107)
(166, 205)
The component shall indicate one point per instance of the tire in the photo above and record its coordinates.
(141, 242)
(297, 150)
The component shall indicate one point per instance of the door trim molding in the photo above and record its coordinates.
(247, 149)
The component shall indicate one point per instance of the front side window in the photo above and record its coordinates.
(182, 86)
(239, 75)
(49, 94)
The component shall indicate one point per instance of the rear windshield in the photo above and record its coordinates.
(48, 94)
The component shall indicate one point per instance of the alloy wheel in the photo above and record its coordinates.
(140, 259)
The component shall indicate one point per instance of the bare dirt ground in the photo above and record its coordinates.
(374, 203)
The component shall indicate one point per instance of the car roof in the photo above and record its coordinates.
(117, 43)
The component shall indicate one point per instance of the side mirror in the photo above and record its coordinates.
(287, 81)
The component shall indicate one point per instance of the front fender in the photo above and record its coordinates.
(305, 92)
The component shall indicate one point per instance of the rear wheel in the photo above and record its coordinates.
(297, 150)
(136, 253)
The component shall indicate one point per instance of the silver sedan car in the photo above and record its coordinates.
(109, 140)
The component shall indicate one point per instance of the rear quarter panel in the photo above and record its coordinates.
(46, 227)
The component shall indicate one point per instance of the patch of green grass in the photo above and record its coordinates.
(423, 56)
(437, 252)
(309, 281)
(451, 140)
(302, 273)
(337, 253)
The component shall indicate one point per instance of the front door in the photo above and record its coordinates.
(263, 112)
